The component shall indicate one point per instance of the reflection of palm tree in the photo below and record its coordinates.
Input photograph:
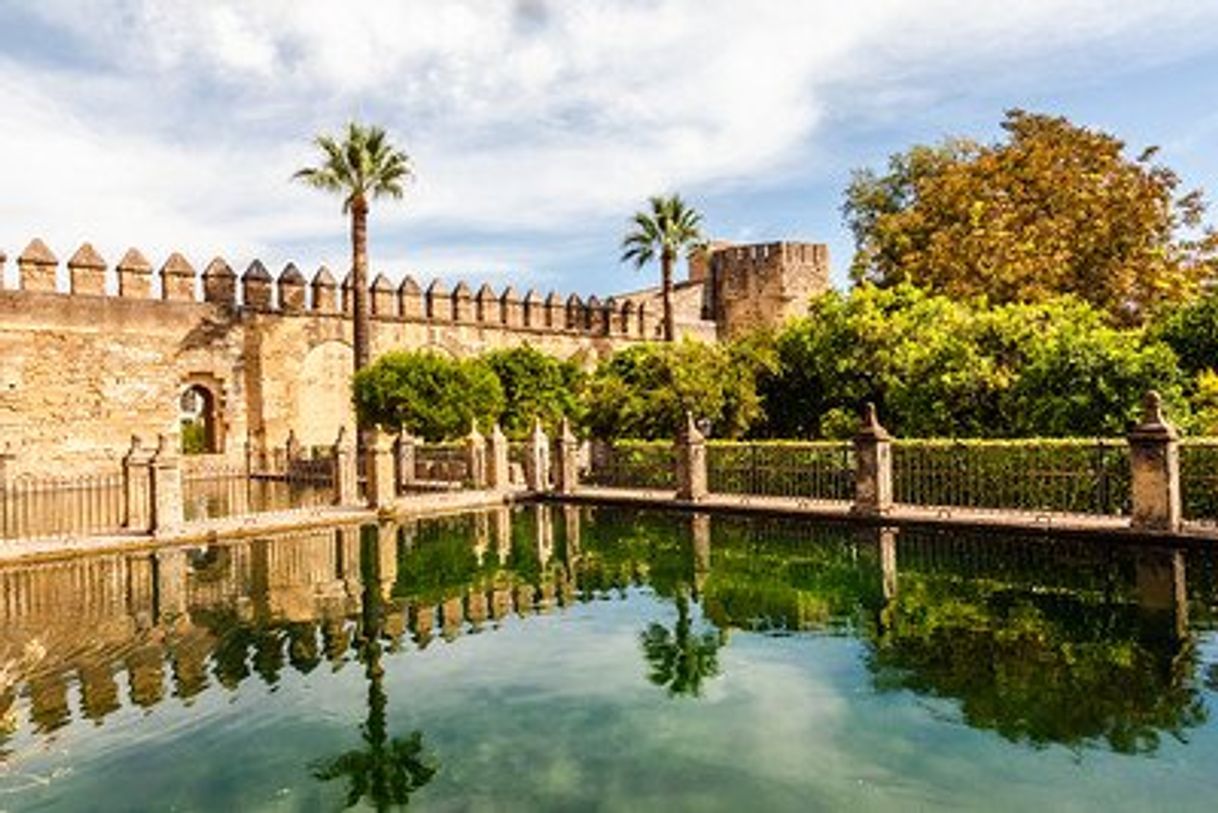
(385, 770)
(681, 659)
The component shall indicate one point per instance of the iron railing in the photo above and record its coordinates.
(287, 482)
(1199, 479)
(634, 464)
(441, 463)
(1042, 476)
(808, 471)
(36, 507)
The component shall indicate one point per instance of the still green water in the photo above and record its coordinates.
(561, 658)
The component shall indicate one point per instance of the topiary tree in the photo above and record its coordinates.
(429, 395)
(536, 385)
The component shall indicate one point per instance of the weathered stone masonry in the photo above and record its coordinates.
(85, 366)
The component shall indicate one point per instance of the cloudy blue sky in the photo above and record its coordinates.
(536, 126)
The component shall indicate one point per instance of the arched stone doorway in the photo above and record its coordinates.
(199, 417)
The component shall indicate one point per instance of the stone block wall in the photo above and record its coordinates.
(84, 368)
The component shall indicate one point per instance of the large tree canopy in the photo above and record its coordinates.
(1051, 209)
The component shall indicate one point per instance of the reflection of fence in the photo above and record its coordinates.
(33, 507)
(634, 464)
(813, 471)
(1067, 476)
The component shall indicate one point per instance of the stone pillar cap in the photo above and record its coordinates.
(37, 253)
(870, 427)
(86, 257)
(565, 431)
(1153, 425)
(690, 432)
(474, 434)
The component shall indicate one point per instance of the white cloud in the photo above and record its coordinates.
(182, 121)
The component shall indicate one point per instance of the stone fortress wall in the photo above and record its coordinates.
(92, 356)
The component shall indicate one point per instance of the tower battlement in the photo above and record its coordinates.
(764, 284)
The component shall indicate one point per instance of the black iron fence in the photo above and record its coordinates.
(1199, 479)
(807, 471)
(444, 464)
(285, 480)
(1042, 476)
(634, 464)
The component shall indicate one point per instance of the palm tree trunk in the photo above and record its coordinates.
(666, 290)
(359, 282)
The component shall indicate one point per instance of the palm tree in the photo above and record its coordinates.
(360, 167)
(681, 659)
(386, 770)
(668, 229)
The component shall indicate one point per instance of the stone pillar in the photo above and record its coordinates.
(170, 569)
(700, 533)
(498, 474)
(1162, 587)
(537, 464)
(888, 562)
(691, 462)
(382, 481)
(166, 482)
(1154, 457)
(872, 466)
(346, 472)
(475, 456)
(136, 486)
(567, 473)
(403, 449)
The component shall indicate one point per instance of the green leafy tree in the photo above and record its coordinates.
(535, 385)
(669, 229)
(1054, 208)
(938, 366)
(360, 166)
(429, 395)
(645, 391)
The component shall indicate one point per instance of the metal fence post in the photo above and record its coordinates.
(691, 462)
(872, 466)
(1154, 459)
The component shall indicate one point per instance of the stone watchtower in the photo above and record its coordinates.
(763, 285)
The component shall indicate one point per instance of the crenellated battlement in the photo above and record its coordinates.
(762, 285)
(291, 294)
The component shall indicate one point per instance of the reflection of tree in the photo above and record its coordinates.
(1041, 667)
(386, 770)
(681, 659)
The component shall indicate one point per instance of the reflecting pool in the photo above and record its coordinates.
(573, 658)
